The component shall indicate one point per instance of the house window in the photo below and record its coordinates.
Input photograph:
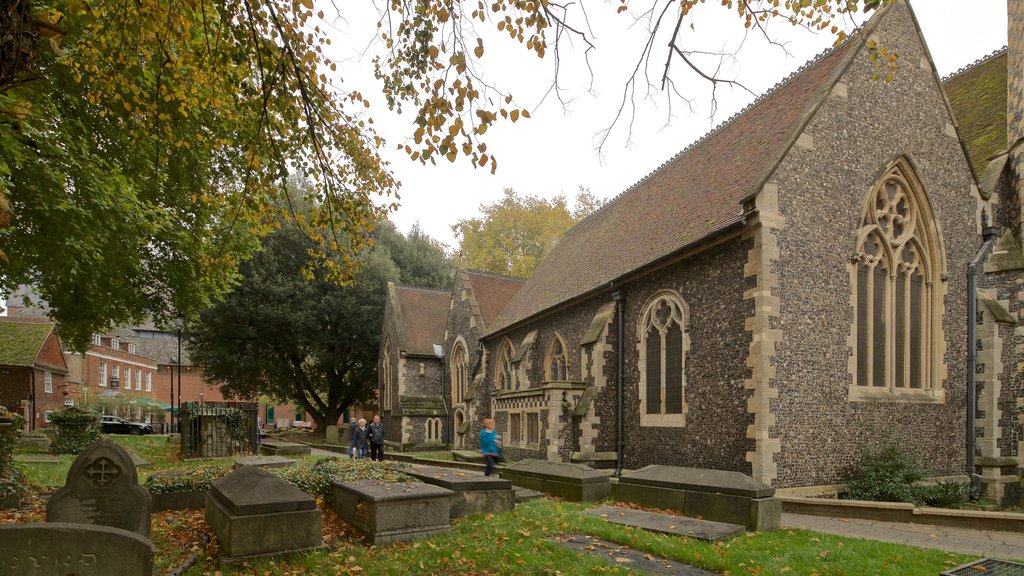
(503, 368)
(556, 363)
(131, 348)
(515, 428)
(115, 376)
(97, 339)
(127, 378)
(896, 293)
(460, 373)
(533, 428)
(103, 374)
(663, 340)
(48, 382)
(149, 381)
(387, 376)
(433, 429)
(46, 416)
(115, 343)
(138, 379)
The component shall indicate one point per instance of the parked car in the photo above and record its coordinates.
(115, 425)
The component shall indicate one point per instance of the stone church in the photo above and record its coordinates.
(790, 289)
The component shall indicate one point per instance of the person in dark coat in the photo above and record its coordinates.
(361, 439)
(352, 438)
(377, 439)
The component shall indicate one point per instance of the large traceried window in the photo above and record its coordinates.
(663, 341)
(896, 291)
(557, 361)
(460, 373)
(503, 371)
(388, 377)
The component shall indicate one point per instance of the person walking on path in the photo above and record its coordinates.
(377, 439)
(361, 439)
(352, 438)
(490, 445)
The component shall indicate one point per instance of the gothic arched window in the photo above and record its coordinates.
(662, 343)
(895, 292)
(557, 364)
(460, 373)
(388, 378)
(503, 372)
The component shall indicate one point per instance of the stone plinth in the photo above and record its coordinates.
(717, 495)
(254, 513)
(573, 482)
(57, 548)
(279, 448)
(472, 493)
(393, 511)
(102, 488)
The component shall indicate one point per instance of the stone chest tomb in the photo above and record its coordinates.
(393, 511)
(254, 513)
(471, 493)
(573, 482)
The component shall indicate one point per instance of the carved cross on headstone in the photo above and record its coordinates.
(102, 472)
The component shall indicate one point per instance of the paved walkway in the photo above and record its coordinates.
(988, 543)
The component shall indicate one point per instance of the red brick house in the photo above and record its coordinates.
(32, 370)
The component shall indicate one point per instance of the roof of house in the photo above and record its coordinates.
(977, 94)
(20, 341)
(422, 315)
(492, 292)
(694, 195)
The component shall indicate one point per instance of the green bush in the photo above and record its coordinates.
(945, 494)
(316, 479)
(886, 474)
(11, 479)
(76, 430)
(197, 479)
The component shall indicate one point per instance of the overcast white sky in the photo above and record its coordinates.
(553, 152)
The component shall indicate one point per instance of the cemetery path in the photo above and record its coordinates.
(989, 543)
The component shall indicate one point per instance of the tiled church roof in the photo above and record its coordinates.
(422, 315)
(492, 292)
(977, 94)
(694, 195)
(21, 340)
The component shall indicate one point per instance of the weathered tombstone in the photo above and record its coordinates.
(60, 549)
(332, 435)
(393, 511)
(35, 441)
(264, 461)
(280, 448)
(572, 482)
(718, 495)
(472, 493)
(254, 514)
(103, 489)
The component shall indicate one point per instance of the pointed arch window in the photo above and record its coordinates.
(388, 376)
(557, 365)
(460, 373)
(663, 341)
(503, 371)
(897, 293)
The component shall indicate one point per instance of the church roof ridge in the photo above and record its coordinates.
(967, 68)
(494, 275)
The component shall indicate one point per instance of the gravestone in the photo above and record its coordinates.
(573, 482)
(281, 448)
(393, 511)
(103, 488)
(254, 513)
(472, 492)
(264, 461)
(332, 435)
(35, 441)
(60, 549)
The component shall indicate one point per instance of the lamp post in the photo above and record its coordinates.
(179, 323)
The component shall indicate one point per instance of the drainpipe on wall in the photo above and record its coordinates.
(32, 397)
(439, 352)
(989, 234)
(620, 438)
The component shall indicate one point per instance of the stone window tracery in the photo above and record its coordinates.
(663, 340)
(460, 373)
(388, 376)
(503, 370)
(896, 292)
(557, 361)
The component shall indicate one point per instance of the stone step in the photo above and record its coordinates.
(705, 530)
(524, 494)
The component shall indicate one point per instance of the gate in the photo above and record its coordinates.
(218, 429)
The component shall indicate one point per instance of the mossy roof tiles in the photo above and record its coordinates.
(20, 341)
(978, 98)
(422, 318)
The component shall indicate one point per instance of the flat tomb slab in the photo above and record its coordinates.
(626, 557)
(264, 461)
(59, 548)
(706, 530)
(573, 482)
(279, 448)
(698, 480)
(388, 512)
(467, 456)
(457, 480)
(36, 459)
(252, 490)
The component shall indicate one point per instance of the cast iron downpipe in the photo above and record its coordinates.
(989, 234)
(620, 437)
(439, 352)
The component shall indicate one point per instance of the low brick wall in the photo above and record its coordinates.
(903, 512)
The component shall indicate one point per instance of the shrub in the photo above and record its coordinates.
(945, 494)
(76, 430)
(886, 474)
(316, 479)
(197, 479)
(11, 479)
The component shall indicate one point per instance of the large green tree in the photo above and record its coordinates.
(513, 234)
(291, 332)
(144, 145)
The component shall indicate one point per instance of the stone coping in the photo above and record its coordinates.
(698, 480)
(457, 481)
(392, 491)
(904, 512)
(558, 471)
